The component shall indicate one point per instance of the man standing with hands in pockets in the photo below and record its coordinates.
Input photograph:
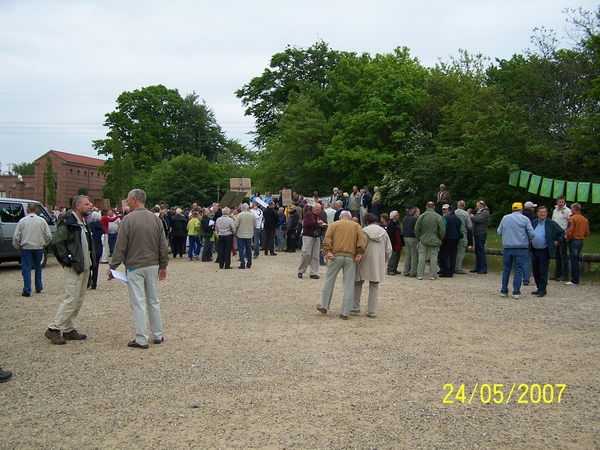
(142, 247)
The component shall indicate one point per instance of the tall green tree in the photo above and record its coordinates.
(265, 97)
(49, 182)
(183, 180)
(155, 124)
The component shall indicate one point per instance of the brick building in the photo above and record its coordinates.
(71, 173)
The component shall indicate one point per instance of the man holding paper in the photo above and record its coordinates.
(142, 247)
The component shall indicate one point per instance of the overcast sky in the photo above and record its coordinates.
(63, 63)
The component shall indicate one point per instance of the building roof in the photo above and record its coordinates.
(77, 159)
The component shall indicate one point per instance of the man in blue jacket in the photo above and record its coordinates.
(548, 236)
(516, 232)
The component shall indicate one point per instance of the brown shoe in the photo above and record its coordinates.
(343, 317)
(74, 335)
(135, 344)
(321, 309)
(54, 336)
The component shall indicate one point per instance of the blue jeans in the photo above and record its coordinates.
(112, 240)
(257, 232)
(245, 250)
(321, 257)
(527, 269)
(516, 256)
(194, 249)
(280, 239)
(31, 259)
(575, 248)
(480, 258)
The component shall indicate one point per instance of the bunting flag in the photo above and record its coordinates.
(595, 193)
(534, 184)
(546, 189)
(559, 188)
(524, 179)
(571, 191)
(583, 192)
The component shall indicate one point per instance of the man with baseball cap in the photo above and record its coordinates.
(516, 232)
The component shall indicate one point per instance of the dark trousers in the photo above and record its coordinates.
(575, 248)
(207, 250)
(480, 258)
(178, 246)
(93, 279)
(291, 240)
(562, 261)
(112, 240)
(224, 251)
(269, 240)
(447, 257)
(540, 262)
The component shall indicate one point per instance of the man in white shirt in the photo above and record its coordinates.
(31, 236)
(561, 216)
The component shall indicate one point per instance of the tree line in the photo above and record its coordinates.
(329, 118)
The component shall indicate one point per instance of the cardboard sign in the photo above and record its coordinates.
(286, 197)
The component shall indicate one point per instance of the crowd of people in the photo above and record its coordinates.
(343, 231)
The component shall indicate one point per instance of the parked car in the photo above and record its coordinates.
(11, 211)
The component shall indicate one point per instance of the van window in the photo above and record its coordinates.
(41, 211)
(11, 212)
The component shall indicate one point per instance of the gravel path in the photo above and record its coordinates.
(248, 362)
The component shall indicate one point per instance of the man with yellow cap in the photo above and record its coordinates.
(516, 232)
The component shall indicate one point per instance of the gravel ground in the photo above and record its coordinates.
(248, 362)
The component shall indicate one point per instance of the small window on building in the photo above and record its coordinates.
(71, 170)
(85, 172)
(77, 171)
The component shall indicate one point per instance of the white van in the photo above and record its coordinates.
(11, 211)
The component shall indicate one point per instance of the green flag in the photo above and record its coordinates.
(583, 192)
(559, 188)
(595, 193)
(513, 179)
(534, 184)
(546, 190)
(571, 191)
(524, 179)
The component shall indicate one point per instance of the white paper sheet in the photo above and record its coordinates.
(121, 276)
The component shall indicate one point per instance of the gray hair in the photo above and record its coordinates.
(393, 214)
(138, 194)
(346, 214)
(77, 200)
(96, 216)
(226, 211)
(178, 211)
(245, 207)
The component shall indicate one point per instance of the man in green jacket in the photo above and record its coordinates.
(430, 232)
(75, 250)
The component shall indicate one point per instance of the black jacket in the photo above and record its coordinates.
(66, 244)
(271, 218)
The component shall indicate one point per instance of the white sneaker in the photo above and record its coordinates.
(517, 296)
(570, 283)
(503, 295)
(419, 278)
(432, 278)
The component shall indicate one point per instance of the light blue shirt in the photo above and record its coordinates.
(539, 241)
(516, 230)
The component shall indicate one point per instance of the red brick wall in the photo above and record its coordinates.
(70, 177)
